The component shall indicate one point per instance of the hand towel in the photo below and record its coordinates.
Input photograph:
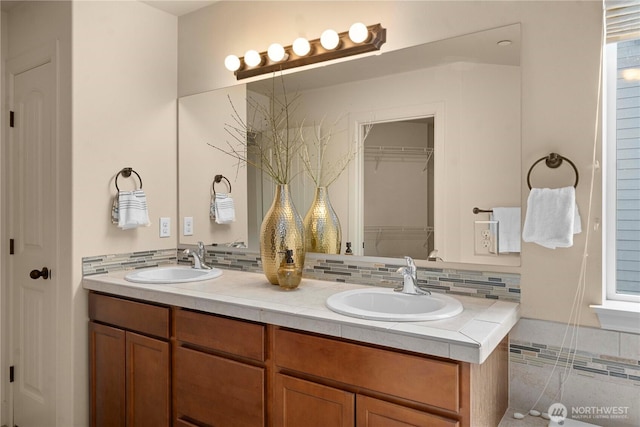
(224, 210)
(132, 209)
(552, 217)
(508, 229)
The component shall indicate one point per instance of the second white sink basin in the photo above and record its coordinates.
(173, 274)
(386, 304)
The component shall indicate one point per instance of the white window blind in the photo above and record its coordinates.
(623, 20)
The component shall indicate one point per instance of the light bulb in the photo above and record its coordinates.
(276, 52)
(358, 32)
(301, 46)
(252, 58)
(329, 39)
(232, 63)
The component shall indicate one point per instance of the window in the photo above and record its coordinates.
(621, 156)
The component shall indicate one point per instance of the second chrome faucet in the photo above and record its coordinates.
(410, 276)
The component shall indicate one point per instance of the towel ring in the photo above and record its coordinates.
(218, 179)
(553, 161)
(126, 172)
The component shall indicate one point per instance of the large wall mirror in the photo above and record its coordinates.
(436, 132)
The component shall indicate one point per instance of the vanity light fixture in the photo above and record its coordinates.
(331, 45)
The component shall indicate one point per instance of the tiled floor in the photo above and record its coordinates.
(528, 421)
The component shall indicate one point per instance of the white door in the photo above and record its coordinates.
(32, 226)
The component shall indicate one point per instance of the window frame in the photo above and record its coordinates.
(609, 156)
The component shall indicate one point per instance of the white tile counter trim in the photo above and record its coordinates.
(469, 337)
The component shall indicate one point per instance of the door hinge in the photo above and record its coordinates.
(11, 246)
(11, 119)
(11, 374)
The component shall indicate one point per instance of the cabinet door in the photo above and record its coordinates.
(147, 366)
(300, 403)
(216, 391)
(107, 372)
(378, 413)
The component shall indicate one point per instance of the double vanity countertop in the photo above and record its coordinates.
(471, 336)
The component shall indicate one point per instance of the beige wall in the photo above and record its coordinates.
(560, 62)
(124, 114)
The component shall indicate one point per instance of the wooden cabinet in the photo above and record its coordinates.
(384, 388)
(129, 369)
(218, 371)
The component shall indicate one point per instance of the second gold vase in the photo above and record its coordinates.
(321, 225)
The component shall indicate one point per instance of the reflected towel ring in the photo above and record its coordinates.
(216, 180)
(553, 161)
(126, 172)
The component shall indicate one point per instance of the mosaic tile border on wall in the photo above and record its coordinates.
(599, 366)
(127, 261)
(481, 284)
(492, 285)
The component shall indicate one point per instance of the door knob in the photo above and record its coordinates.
(36, 274)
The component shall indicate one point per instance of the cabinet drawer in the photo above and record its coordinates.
(135, 316)
(216, 391)
(421, 379)
(219, 333)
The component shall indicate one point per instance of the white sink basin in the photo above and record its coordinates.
(172, 274)
(385, 304)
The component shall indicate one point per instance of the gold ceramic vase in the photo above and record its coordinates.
(322, 229)
(281, 229)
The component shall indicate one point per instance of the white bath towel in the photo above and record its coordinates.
(224, 209)
(552, 217)
(508, 229)
(132, 209)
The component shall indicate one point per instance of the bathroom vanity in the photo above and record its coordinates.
(237, 351)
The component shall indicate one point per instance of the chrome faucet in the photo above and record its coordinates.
(198, 257)
(410, 275)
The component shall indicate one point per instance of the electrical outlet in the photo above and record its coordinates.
(165, 227)
(187, 226)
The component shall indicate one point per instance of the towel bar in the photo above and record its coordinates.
(553, 161)
(126, 172)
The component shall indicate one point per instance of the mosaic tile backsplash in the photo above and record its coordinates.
(502, 286)
(128, 261)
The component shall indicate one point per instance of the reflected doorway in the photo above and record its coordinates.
(398, 192)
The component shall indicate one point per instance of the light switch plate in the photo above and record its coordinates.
(187, 226)
(165, 227)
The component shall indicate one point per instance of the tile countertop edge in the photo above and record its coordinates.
(499, 317)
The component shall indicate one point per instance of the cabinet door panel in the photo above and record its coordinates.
(378, 413)
(148, 402)
(300, 403)
(216, 391)
(107, 371)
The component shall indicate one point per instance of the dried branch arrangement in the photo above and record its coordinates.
(322, 171)
(267, 141)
